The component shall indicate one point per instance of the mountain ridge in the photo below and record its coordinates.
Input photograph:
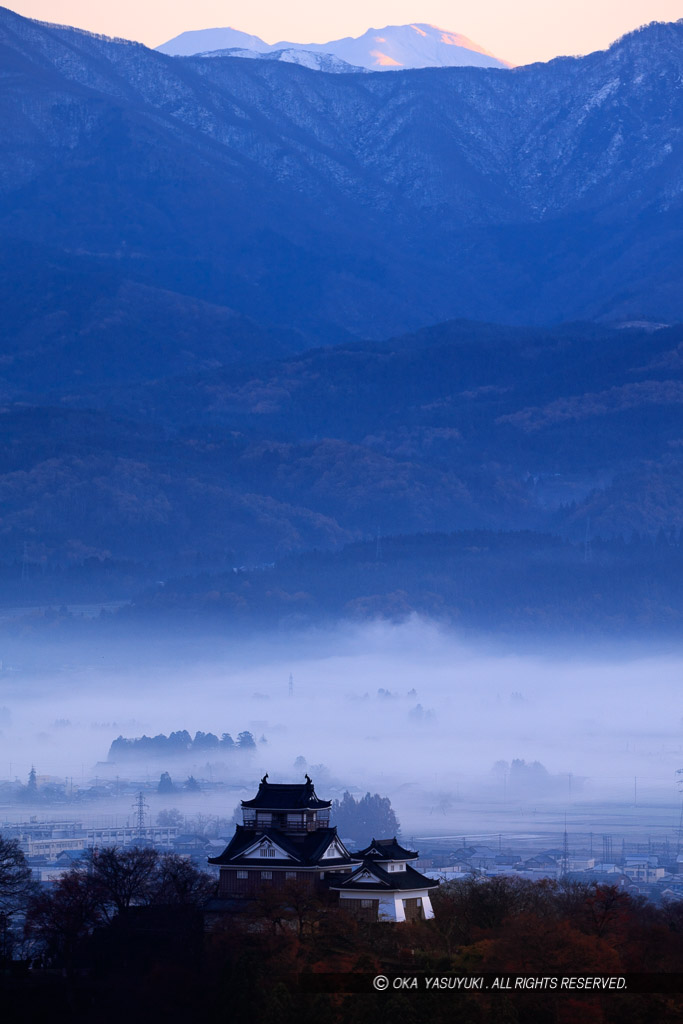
(305, 58)
(238, 301)
(369, 204)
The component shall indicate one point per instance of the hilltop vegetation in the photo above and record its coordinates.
(128, 933)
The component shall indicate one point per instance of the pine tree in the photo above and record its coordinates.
(165, 784)
(371, 817)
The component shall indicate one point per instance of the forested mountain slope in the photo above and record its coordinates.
(367, 203)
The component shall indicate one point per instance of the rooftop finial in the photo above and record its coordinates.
(308, 779)
(264, 779)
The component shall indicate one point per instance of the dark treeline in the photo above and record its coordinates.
(179, 743)
(473, 579)
(476, 578)
(125, 933)
(360, 820)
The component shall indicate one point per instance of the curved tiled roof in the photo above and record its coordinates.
(390, 882)
(387, 849)
(275, 796)
(305, 853)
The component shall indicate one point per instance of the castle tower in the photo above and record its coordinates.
(285, 837)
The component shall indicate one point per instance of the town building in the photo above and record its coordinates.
(44, 841)
(643, 869)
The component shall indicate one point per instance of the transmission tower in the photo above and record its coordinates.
(565, 851)
(607, 849)
(139, 807)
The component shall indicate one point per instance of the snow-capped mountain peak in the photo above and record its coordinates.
(410, 46)
(208, 39)
(392, 47)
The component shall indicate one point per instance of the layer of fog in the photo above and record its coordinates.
(407, 711)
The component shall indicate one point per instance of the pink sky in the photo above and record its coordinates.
(520, 32)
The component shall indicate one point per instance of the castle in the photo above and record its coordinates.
(286, 840)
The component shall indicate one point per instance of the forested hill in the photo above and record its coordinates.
(517, 585)
(460, 426)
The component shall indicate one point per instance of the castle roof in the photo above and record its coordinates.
(387, 849)
(309, 851)
(370, 877)
(275, 796)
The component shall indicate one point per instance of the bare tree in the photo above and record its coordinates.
(179, 882)
(123, 878)
(16, 883)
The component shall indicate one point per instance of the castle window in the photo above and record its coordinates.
(266, 875)
(243, 874)
(366, 903)
(267, 851)
(289, 875)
